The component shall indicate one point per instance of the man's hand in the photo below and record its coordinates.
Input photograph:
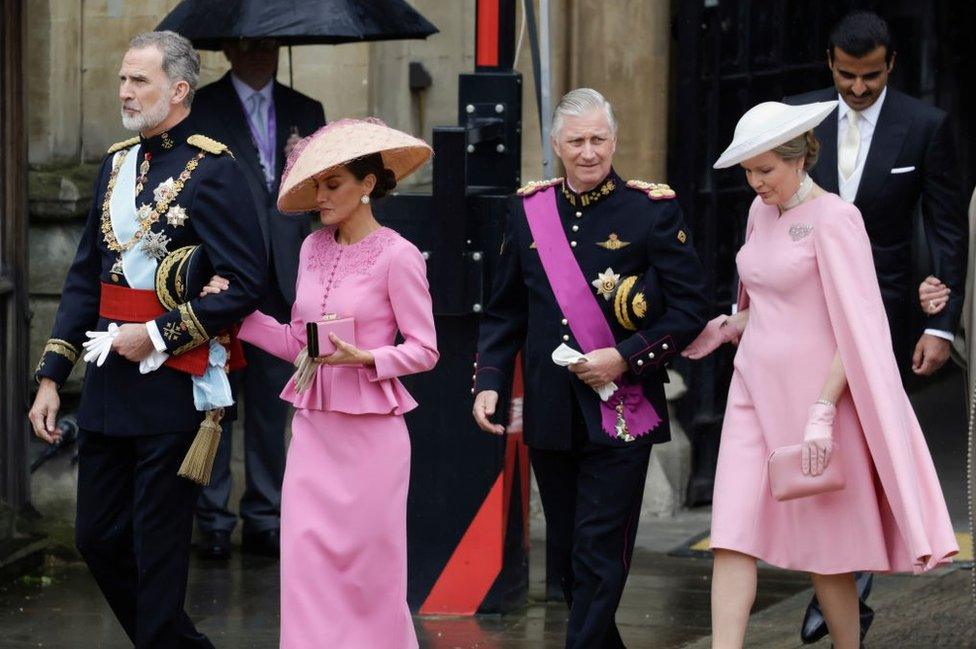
(133, 342)
(601, 367)
(43, 414)
(484, 409)
(293, 139)
(931, 353)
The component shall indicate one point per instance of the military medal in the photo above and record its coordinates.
(613, 242)
(154, 244)
(176, 216)
(605, 283)
(143, 172)
(621, 425)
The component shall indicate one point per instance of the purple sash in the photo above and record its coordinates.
(626, 413)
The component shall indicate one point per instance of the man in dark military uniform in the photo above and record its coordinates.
(604, 267)
(155, 194)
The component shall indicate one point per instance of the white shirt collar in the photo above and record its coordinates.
(245, 91)
(870, 113)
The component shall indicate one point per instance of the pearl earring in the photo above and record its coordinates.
(364, 200)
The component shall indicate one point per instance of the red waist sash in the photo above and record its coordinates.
(124, 304)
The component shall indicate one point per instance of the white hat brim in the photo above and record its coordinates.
(793, 122)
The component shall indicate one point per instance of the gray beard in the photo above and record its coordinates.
(147, 119)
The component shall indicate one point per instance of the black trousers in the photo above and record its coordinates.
(591, 496)
(133, 529)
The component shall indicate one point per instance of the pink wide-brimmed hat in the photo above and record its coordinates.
(340, 142)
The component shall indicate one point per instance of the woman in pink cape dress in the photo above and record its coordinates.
(344, 497)
(812, 337)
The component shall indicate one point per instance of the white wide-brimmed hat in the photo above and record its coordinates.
(340, 142)
(767, 125)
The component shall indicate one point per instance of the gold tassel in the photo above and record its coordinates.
(199, 460)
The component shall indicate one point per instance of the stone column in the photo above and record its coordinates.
(622, 50)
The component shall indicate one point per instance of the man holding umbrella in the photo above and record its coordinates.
(260, 119)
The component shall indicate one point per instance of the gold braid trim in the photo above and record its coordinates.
(62, 347)
(188, 322)
(207, 144)
(620, 303)
(165, 270)
(124, 144)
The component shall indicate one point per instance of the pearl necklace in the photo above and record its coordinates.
(806, 186)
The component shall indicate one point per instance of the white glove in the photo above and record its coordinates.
(99, 344)
(565, 356)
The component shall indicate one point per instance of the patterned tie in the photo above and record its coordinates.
(849, 146)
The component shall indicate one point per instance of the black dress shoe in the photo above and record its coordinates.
(215, 546)
(264, 543)
(814, 625)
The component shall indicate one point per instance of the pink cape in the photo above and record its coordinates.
(918, 532)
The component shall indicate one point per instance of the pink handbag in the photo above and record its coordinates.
(319, 343)
(786, 479)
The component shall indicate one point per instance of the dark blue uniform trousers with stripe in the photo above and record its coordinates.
(591, 496)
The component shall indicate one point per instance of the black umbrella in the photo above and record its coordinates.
(296, 22)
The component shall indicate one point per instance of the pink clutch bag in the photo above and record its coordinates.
(319, 343)
(786, 479)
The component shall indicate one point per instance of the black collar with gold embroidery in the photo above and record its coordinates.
(163, 142)
(598, 193)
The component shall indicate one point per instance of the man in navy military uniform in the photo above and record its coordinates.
(260, 119)
(166, 189)
(590, 468)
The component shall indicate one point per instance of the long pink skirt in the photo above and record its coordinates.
(344, 533)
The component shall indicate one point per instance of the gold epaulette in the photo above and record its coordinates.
(654, 191)
(207, 144)
(124, 144)
(535, 185)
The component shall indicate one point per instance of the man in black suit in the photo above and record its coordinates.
(260, 120)
(887, 153)
(638, 271)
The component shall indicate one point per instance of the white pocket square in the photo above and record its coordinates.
(902, 170)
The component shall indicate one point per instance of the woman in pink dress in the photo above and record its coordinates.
(814, 367)
(344, 497)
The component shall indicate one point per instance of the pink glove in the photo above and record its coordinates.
(818, 437)
(716, 333)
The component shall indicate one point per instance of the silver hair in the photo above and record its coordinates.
(180, 61)
(577, 102)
